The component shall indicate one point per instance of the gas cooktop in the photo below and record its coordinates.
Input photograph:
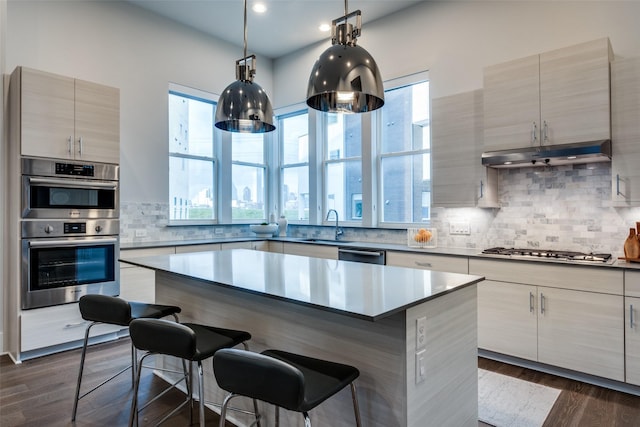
(545, 254)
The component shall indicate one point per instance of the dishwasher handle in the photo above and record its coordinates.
(359, 252)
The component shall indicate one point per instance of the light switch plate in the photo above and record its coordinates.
(421, 366)
(460, 227)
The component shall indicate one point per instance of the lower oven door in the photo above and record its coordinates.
(57, 271)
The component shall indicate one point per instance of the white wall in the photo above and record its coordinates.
(121, 45)
(455, 40)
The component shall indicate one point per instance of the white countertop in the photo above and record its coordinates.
(366, 291)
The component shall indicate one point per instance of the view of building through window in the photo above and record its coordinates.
(248, 176)
(294, 178)
(191, 160)
(405, 158)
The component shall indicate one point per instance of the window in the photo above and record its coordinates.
(294, 166)
(248, 176)
(192, 165)
(343, 165)
(405, 155)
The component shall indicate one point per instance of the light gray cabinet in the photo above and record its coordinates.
(625, 129)
(451, 264)
(632, 326)
(557, 97)
(561, 315)
(459, 179)
(64, 118)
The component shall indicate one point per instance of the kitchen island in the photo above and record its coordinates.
(361, 314)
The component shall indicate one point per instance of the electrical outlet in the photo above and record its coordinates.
(218, 231)
(421, 330)
(421, 366)
(141, 233)
(460, 227)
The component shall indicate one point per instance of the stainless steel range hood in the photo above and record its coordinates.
(551, 155)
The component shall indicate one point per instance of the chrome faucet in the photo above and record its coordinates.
(339, 231)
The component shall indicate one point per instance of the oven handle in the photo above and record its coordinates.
(75, 183)
(42, 243)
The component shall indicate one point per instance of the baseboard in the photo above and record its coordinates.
(561, 372)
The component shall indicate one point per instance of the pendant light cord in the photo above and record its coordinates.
(346, 7)
(245, 29)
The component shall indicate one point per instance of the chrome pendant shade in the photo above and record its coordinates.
(346, 78)
(244, 106)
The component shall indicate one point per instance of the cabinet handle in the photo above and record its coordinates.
(423, 264)
(631, 316)
(74, 325)
(70, 145)
(618, 184)
(531, 299)
(80, 146)
(542, 303)
(545, 132)
(481, 189)
(534, 133)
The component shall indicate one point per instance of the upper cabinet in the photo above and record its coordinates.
(64, 118)
(459, 179)
(625, 130)
(557, 97)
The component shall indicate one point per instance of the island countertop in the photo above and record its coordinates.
(366, 291)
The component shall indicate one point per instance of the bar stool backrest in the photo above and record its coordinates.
(163, 337)
(105, 309)
(260, 377)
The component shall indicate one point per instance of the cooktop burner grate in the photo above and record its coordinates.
(550, 254)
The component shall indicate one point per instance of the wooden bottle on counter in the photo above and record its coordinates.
(632, 245)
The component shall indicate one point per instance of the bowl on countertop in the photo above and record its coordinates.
(264, 230)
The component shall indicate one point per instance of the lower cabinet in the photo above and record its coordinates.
(581, 331)
(450, 264)
(575, 329)
(311, 250)
(507, 319)
(632, 326)
(138, 283)
(60, 324)
(632, 339)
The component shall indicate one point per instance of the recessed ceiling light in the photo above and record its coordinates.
(259, 7)
(324, 27)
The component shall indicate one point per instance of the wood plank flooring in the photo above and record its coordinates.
(40, 392)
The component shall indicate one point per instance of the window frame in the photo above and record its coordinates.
(409, 80)
(211, 98)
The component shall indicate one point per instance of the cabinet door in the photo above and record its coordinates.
(625, 131)
(44, 327)
(457, 145)
(137, 284)
(575, 93)
(47, 114)
(581, 331)
(507, 319)
(449, 264)
(198, 248)
(312, 250)
(632, 340)
(97, 122)
(512, 104)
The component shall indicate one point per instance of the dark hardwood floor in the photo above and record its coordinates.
(40, 392)
(579, 404)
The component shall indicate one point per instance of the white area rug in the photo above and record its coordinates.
(505, 401)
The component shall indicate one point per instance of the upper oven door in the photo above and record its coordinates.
(48, 197)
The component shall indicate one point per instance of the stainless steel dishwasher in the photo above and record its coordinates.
(368, 256)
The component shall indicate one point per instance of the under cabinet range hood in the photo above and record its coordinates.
(550, 155)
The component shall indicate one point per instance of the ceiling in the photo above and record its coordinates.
(285, 27)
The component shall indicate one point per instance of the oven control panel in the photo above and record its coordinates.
(74, 169)
(92, 227)
(75, 228)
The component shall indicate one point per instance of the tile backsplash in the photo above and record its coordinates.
(563, 207)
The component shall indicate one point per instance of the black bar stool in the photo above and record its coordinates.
(114, 311)
(187, 341)
(291, 381)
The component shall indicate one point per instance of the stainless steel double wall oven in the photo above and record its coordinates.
(70, 231)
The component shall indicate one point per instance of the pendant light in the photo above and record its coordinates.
(346, 78)
(244, 106)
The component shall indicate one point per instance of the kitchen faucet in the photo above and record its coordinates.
(339, 231)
